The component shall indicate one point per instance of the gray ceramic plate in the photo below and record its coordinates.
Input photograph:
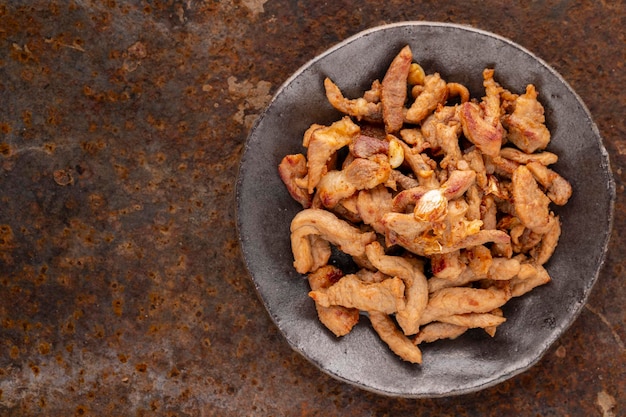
(473, 361)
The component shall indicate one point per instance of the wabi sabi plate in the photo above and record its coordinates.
(474, 361)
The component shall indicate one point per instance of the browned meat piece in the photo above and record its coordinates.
(474, 320)
(458, 90)
(502, 166)
(291, 168)
(394, 90)
(340, 233)
(359, 174)
(479, 238)
(437, 331)
(491, 330)
(477, 164)
(534, 276)
(415, 284)
(415, 138)
(368, 173)
(544, 250)
(481, 267)
(491, 102)
(531, 204)
(488, 213)
(477, 130)
(324, 143)
(365, 146)
(337, 319)
(320, 251)
(467, 276)
(397, 342)
(373, 130)
(372, 205)
(463, 300)
(458, 183)
(502, 269)
(404, 230)
(373, 94)
(524, 239)
(404, 181)
(306, 138)
(423, 171)
(481, 123)
(442, 130)
(333, 188)
(367, 275)
(447, 266)
(526, 125)
(558, 188)
(386, 296)
(474, 199)
(310, 251)
(448, 137)
(359, 108)
(346, 209)
(479, 259)
(433, 93)
(515, 155)
(406, 199)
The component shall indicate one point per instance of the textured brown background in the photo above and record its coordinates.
(122, 288)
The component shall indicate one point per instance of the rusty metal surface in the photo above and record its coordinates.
(122, 289)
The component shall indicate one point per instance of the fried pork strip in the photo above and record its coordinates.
(386, 296)
(394, 90)
(415, 284)
(526, 125)
(404, 230)
(397, 342)
(360, 108)
(372, 205)
(442, 130)
(437, 331)
(463, 300)
(323, 144)
(544, 158)
(329, 227)
(365, 146)
(359, 174)
(481, 123)
(454, 187)
(533, 276)
(543, 251)
(291, 168)
(337, 319)
(474, 320)
(434, 93)
(558, 188)
(532, 206)
(494, 269)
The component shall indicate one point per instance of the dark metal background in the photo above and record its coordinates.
(122, 288)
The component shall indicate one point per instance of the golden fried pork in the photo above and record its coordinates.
(443, 201)
(339, 320)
